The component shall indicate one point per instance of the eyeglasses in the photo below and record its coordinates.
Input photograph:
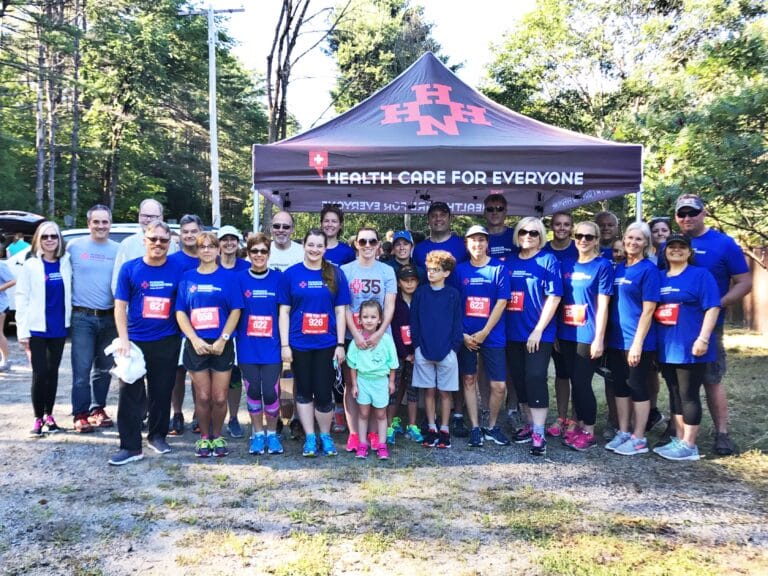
(149, 216)
(48, 237)
(367, 241)
(494, 209)
(434, 270)
(258, 251)
(157, 239)
(281, 226)
(587, 237)
(683, 214)
(207, 247)
(531, 233)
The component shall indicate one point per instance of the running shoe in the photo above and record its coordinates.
(51, 426)
(37, 428)
(353, 442)
(339, 421)
(659, 448)
(258, 444)
(203, 448)
(234, 429)
(475, 437)
(632, 446)
(655, 418)
(430, 439)
(124, 457)
(382, 452)
(159, 445)
(219, 447)
(397, 425)
(98, 418)
(82, 425)
(297, 432)
(414, 434)
(273, 444)
(444, 439)
(195, 426)
(177, 425)
(538, 445)
(523, 435)
(458, 427)
(390, 435)
(679, 451)
(496, 435)
(723, 446)
(361, 451)
(618, 440)
(373, 440)
(583, 442)
(558, 428)
(609, 431)
(310, 446)
(328, 447)
(571, 434)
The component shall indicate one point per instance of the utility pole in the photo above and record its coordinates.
(212, 111)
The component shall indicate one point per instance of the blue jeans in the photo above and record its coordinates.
(90, 367)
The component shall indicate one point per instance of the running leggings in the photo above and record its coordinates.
(314, 376)
(46, 356)
(684, 382)
(628, 380)
(529, 373)
(580, 369)
(262, 386)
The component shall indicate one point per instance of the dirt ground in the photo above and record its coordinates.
(494, 510)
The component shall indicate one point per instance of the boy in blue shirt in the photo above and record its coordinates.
(436, 332)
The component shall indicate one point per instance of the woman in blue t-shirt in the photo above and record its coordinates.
(313, 298)
(537, 286)
(208, 308)
(685, 318)
(332, 223)
(631, 339)
(587, 289)
(43, 309)
(258, 345)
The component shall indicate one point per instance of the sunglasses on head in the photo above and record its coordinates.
(494, 209)
(281, 226)
(157, 239)
(367, 241)
(258, 251)
(692, 213)
(531, 233)
(587, 237)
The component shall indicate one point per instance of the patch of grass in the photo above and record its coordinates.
(175, 503)
(388, 516)
(310, 513)
(619, 525)
(312, 557)
(64, 533)
(150, 514)
(751, 468)
(222, 480)
(374, 543)
(532, 514)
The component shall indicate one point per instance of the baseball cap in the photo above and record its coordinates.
(228, 231)
(404, 234)
(407, 271)
(438, 206)
(680, 238)
(476, 229)
(689, 202)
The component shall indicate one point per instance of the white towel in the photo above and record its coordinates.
(128, 368)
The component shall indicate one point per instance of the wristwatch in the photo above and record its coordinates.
(224, 336)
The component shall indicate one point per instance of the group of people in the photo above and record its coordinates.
(473, 321)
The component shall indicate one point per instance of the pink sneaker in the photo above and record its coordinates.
(339, 421)
(570, 435)
(353, 442)
(362, 451)
(558, 428)
(382, 451)
(373, 440)
(583, 441)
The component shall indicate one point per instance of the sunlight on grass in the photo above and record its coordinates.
(311, 556)
(750, 467)
(225, 544)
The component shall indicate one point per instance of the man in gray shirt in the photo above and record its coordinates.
(93, 321)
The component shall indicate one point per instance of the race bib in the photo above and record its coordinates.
(203, 318)
(314, 323)
(405, 334)
(259, 326)
(478, 307)
(156, 307)
(575, 314)
(515, 302)
(666, 314)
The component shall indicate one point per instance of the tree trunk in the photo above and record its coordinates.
(40, 124)
(75, 139)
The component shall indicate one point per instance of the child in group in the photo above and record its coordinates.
(437, 335)
(617, 252)
(407, 282)
(373, 380)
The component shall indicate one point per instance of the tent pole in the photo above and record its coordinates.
(639, 205)
(256, 207)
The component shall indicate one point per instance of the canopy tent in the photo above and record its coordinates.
(428, 136)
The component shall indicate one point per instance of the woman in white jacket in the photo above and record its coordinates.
(43, 309)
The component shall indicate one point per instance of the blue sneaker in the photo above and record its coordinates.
(475, 437)
(679, 451)
(632, 446)
(397, 426)
(496, 435)
(273, 444)
(390, 435)
(310, 446)
(618, 440)
(258, 444)
(234, 429)
(659, 448)
(329, 449)
(414, 434)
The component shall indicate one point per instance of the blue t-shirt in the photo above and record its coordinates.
(500, 246)
(569, 253)
(607, 252)
(531, 281)
(372, 282)
(150, 292)
(186, 262)
(632, 285)
(240, 264)
(436, 321)
(258, 337)
(313, 314)
(208, 299)
(454, 245)
(685, 298)
(5, 276)
(481, 288)
(582, 283)
(340, 254)
(54, 302)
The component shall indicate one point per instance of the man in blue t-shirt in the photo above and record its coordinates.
(500, 237)
(608, 223)
(440, 236)
(718, 253)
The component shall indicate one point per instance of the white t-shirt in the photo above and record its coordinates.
(283, 259)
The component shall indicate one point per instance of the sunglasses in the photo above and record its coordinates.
(48, 237)
(367, 241)
(494, 209)
(258, 251)
(281, 226)
(531, 233)
(157, 239)
(688, 213)
(587, 237)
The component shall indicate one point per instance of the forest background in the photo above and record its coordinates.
(107, 100)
